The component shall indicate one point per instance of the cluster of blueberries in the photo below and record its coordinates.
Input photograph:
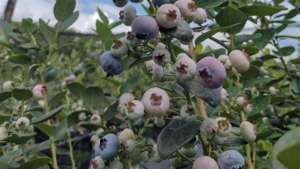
(172, 19)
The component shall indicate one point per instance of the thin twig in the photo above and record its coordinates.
(219, 42)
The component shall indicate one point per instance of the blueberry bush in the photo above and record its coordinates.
(188, 87)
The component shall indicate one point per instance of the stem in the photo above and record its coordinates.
(253, 154)
(281, 58)
(192, 51)
(184, 156)
(219, 42)
(232, 46)
(248, 151)
(71, 153)
(53, 152)
(202, 110)
(52, 140)
(248, 146)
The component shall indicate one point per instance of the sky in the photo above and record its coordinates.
(36, 9)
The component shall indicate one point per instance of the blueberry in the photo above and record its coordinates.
(120, 3)
(107, 147)
(159, 3)
(183, 32)
(161, 54)
(136, 1)
(231, 159)
(144, 27)
(211, 72)
(248, 131)
(239, 60)
(111, 65)
(168, 16)
(119, 48)
(205, 162)
(128, 15)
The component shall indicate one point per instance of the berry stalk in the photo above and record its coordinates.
(202, 110)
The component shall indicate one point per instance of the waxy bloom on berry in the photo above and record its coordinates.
(185, 67)
(156, 101)
(168, 16)
(40, 91)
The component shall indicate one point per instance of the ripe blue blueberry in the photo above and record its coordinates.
(159, 3)
(136, 1)
(111, 65)
(231, 159)
(145, 27)
(211, 72)
(120, 3)
(107, 147)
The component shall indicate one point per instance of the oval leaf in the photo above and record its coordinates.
(286, 151)
(176, 134)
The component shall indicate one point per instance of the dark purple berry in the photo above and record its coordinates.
(120, 3)
(145, 27)
(211, 72)
(111, 65)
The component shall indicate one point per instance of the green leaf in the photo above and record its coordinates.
(131, 83)
(73, 117)
(261, 10)
(261, 103)
(47, 31)
(20, 59)
(64, 25)
(286, 51)
(267, 35)
(105, 34)
(21, 94)
(176, 134)
(115, 24)
(213, 31)
(239, 39)
(286, 151)
(8, 160)
(55, 132)
(57, 99)
(93, 97)
(230, 16)
(102, 16)
(4, 117)
(63, 9)
(209, 3)
(250, 77)
(47, 116)
(230, 140)
(20, 139)
(111, 111)
(36, 162)
(76, 89)
(4, 96)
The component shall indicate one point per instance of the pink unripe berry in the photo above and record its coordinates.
(205, 162)
(168, 16)
(156, 101)
(40, 90)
